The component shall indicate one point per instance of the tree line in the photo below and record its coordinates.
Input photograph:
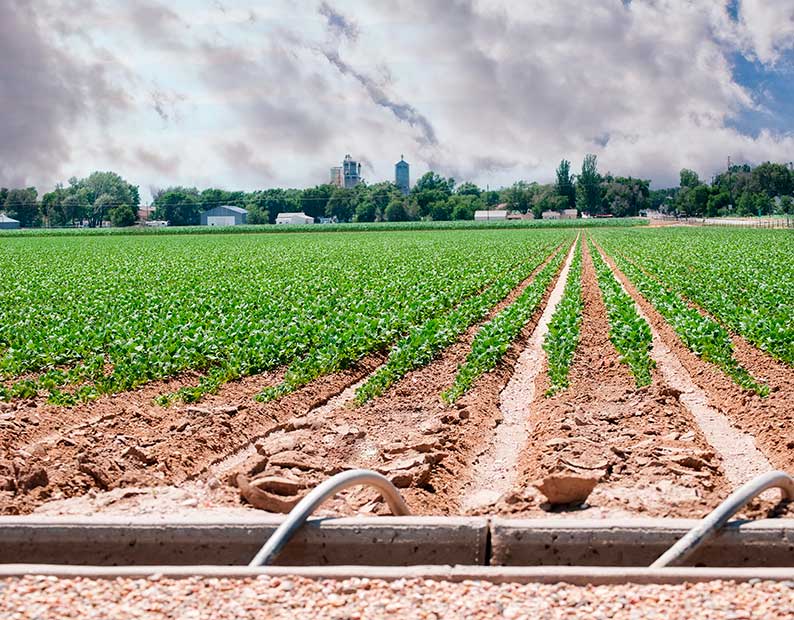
(741, 190)
(107, 197)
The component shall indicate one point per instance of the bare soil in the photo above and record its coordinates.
(409, 434)
(127, 441)
(642, 445)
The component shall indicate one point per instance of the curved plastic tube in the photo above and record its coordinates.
(709, 526)
(298, 515)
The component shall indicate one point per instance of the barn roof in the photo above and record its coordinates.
(231, 208)
(5, 218)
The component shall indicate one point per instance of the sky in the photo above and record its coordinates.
(250, 95)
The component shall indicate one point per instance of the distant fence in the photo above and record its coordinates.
(769, 223)
(776, 222)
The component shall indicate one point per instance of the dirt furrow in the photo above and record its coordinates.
(742, 461)
(159, 446)
(425, 446)
(769, 420)
(641, 445)
(495, 468)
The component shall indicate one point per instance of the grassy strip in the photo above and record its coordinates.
(628, 331)
(422, 345)
(704, 337)
(324, 228)
(494, 338)
(563, 335)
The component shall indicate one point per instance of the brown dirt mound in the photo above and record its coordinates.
(130, 442)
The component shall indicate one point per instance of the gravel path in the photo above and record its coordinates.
(296, 598)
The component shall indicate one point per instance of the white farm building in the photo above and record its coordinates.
(224, 216)
(294, 218)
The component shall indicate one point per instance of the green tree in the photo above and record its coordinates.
(21, 205)
(564, 184)
(772, 179)
(123, 215)
(462, 207)
(272, 202)
(440, 211)
(396, 211)
(341, 204)
(257, 216)
(490, 198)
(179, 206)
(381, 194)
(745, 206)
(366, 211)
(689, 178)
(519, 196)
(588, 187)
(468, 189)
(111, 188)
(787, 204)
(52, 207)
(314, 200)
(718, 204)
(625, 196)
(429, 190)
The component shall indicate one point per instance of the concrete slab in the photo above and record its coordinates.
(114, 541)
(636, 542)
(211, 539)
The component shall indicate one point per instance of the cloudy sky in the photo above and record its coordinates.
(246, 95)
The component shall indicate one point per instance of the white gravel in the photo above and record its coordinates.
(46, 598)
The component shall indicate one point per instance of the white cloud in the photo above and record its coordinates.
(275, 97)
(768, 26)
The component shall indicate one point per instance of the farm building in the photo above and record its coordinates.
(569, 214)
(482, 216)
(294, 218)
(7, 222)
(224, 216)
(551, 215)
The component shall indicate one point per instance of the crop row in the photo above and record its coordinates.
(742, 278)
(628, 331)
(82, 316)
(260, 229)
(494, 338)
(562, 336)
(702, 335)
(424, 343)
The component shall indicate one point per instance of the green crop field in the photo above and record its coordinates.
(82, 316)
(743, 278)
